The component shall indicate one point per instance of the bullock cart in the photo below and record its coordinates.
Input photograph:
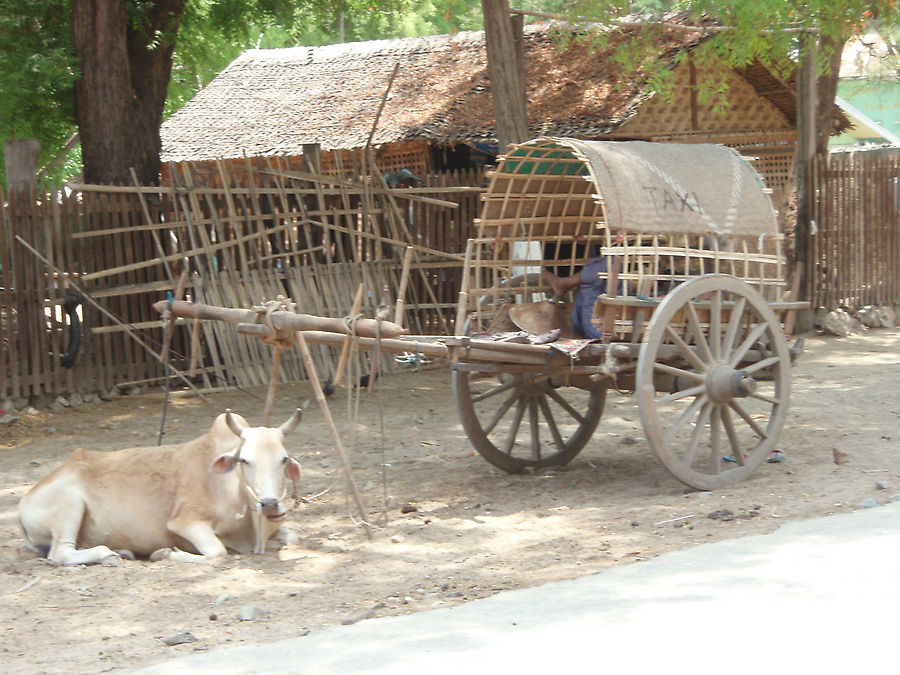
(692, 317)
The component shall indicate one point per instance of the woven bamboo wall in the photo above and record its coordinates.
(685, 113)
(415, 156)
(259, 234)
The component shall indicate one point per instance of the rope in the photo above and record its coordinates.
(166, 319)
(284, 337)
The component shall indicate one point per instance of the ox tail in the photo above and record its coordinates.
(43, 551)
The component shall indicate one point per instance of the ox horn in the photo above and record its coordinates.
(233, 424)
(292, 423)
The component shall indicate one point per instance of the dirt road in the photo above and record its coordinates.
(474, 531)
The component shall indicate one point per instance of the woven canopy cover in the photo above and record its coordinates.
(669, 188)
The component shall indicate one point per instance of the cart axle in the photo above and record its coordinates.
(725, 383)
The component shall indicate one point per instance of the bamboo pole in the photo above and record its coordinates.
(280, 319)
(169, 319)
(474, 350)
(273, 386)
(345, 349)
(335, 437)
(463, 302)
(404, 281)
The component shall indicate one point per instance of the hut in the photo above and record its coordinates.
(438, 112)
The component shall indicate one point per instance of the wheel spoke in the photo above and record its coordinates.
(694, 322)
(728, 423)
(734, 325)
(564, 404)
(493, 391)
(739, 353)
(684, 418)
(679, 372)
(763, 397)
(551, 422)
(507, 404)
(715, 324)
(514, 427)
(535, 431)
(686, 349)
(715, 432)
(760, 365)
(684, 393)
(697, 433)
(734, 405)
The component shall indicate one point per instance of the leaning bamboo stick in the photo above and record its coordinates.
(345, 350)
(404, 281)
(462, 305)
(273, 386)
(335, 437)
(195, 348)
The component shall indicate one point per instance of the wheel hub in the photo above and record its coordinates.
(724, 383)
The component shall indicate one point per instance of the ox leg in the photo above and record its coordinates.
(201, 535)
(65, 534)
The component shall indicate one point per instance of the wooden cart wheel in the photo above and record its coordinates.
(521, 421)
(713, 381)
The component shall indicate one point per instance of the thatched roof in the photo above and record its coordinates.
(272, 102)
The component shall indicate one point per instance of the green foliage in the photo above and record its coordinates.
(37, 76)
(38, 68)
(764, 31)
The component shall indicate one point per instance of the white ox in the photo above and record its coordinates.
(157, 501)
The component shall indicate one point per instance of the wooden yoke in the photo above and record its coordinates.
(281, 320)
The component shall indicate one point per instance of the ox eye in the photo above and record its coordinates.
(284, 460)
(242, 460)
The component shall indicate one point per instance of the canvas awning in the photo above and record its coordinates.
(658, 188)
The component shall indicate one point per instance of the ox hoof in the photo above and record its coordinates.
(128, 555)
(160, 554)
(111, 560)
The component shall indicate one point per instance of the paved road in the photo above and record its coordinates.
(818, 596)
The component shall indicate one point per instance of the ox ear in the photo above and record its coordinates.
(292, 423)
(224, 463)
(292, 469)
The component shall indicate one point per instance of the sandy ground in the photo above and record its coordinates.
(476, 530)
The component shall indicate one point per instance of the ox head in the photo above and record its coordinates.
(264, 462)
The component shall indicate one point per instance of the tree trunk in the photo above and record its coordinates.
(21, 158)
(826, 90)
(506, 70)
(815, 122)
(125, 62)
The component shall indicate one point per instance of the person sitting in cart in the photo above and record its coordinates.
(591, 283)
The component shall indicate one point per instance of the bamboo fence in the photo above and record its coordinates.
(244, 233)
(854, 258)
(247, 233)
